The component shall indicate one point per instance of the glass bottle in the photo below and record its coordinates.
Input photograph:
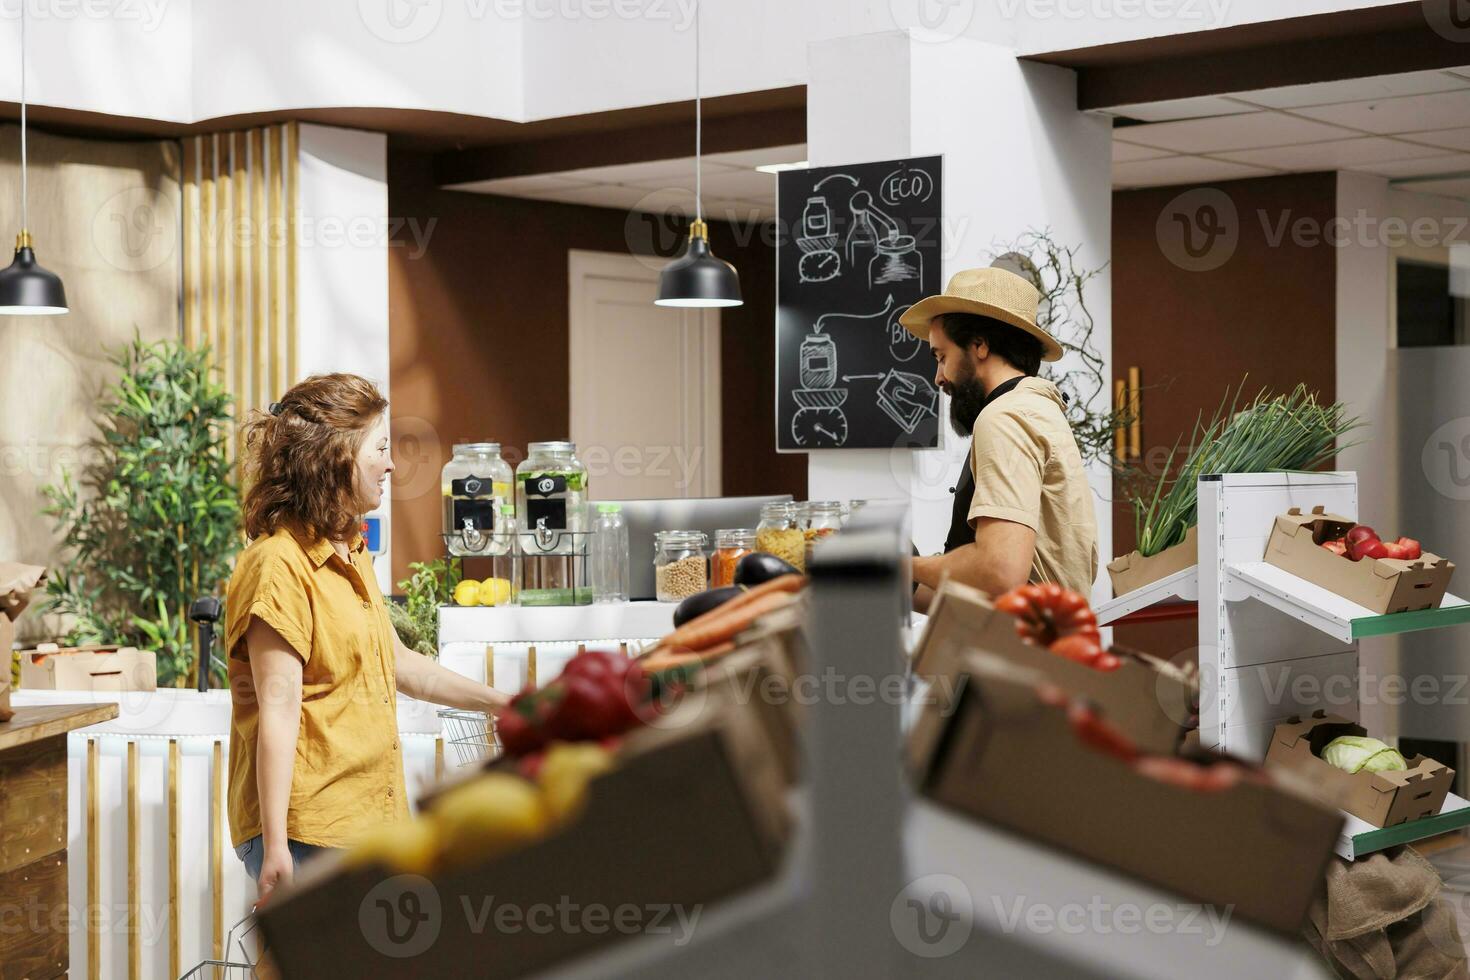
(474, 485)
(505, 564)
(680, 564)
(609, 554)
(551, 496)
(731, 545)
(779, 533)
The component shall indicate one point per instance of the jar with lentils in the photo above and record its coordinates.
(731, 545)
(680, 564)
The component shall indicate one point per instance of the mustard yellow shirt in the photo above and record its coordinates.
(1028, 470)
(348, 776)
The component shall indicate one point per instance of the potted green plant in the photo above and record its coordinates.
(153, 520)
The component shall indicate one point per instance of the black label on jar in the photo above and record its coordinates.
(477, 514)
(553, 512)
(472, 486)
(545, 485)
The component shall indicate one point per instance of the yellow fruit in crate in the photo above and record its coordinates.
(405, 846)
(493, 814)
(494, 592)
(565, 773)
(467, 593)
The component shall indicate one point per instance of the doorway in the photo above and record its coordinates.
(645, 383)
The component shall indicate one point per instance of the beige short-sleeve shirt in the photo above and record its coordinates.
(1028, 470)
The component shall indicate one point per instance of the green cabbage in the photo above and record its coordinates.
(1357, 753)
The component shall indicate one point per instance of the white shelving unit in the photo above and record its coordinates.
(1183, 586)
(1273, 645)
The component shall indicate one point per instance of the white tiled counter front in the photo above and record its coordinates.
(508, 633)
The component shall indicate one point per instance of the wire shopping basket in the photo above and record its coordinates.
(237, 965)
(472, 733)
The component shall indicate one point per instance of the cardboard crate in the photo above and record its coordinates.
(17, 582)
(1150, 699)
(88, 668)
(1133, 571)
(759, 677)
(1384, 585)
(1383, 799)
(1005, 756)
(693, 812)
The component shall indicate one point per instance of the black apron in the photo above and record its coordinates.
(960, 531)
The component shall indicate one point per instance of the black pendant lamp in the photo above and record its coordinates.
(697, 278)
(26, 289)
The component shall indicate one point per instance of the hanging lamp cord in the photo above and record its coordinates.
(24, 185)
(698, 126)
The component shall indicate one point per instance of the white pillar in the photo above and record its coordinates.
(342, 271)
(1018, 156)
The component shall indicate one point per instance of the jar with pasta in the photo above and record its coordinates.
(823, 517)
(731, 545)
(680, 564)
(779, 533)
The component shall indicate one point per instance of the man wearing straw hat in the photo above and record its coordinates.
(1023, 509)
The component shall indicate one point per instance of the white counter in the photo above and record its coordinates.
(505, 635)
(199, 725)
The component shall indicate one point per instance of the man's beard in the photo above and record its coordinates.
(966, 398)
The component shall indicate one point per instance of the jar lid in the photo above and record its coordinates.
(563, 446)
(609, 508)
(676, 538)
(778, 508)
(824, 506)
(735, 534)
(485, 448)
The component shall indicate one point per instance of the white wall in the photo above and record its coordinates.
(188, 60)
(892, 95)
(342, 273)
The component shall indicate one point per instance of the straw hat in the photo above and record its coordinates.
(991, 292)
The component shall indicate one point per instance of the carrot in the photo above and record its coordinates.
(783, 584)
(721, 625)
(663, 658)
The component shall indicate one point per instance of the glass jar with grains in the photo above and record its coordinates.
(779, 533)
(731, 545)
(680, 564)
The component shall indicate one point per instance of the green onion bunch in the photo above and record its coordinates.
(1268, 434)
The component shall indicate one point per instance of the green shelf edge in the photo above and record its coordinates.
(1408, 622)
(1406, 833)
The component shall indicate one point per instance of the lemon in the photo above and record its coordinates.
(495, 813)
(494, 592)
(565, 773)
(406, 847)
(467, 593)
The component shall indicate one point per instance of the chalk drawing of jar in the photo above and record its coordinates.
(897, 261)
(818, 359)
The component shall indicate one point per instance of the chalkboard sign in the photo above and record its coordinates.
(858, 245)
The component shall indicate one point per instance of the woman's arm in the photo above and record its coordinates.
(428, 680)
(276, 670)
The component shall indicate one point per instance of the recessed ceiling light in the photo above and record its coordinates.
(776, 168)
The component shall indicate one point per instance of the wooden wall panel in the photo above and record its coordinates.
(240, 234)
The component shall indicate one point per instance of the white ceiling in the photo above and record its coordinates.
(733, 189)
(1412, 128)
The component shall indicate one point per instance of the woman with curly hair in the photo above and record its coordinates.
(315, 666)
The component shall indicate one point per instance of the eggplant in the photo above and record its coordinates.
(702, 602)
(758, 567)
